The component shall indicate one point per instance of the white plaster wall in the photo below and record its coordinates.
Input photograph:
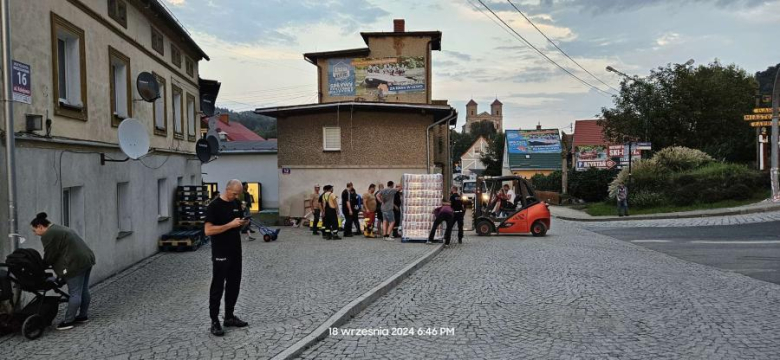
(260, 168)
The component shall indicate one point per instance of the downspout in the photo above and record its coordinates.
(429, 72)
(449, 117)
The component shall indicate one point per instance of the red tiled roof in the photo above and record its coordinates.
(588, 132)
(237, 132)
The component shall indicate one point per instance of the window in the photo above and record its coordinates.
(117, 10)
(189, 66)
(331, 139)
(175, 56)
(160, 107)
(190, 117)
(177, 115)
(180, 181)
(163, 198)
(192, 180)
(69, 69)
(121, 92)
(157, 42)
(123, 206)
(73, 209)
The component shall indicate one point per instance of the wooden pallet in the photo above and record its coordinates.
(180, 245)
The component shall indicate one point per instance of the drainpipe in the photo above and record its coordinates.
(10, 147)
(428, 72)
(453, 114)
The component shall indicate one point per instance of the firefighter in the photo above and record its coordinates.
(331, 205)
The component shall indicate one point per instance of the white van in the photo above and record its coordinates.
(469, 189)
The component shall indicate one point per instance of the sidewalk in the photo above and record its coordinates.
(159, 309)
(566, 213)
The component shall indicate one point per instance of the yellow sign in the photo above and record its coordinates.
(755, 117)
(254, 189)
(761, 123)
(762, 111)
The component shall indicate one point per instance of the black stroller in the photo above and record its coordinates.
(26, 268)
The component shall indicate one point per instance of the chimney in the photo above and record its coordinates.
(399, 25)
(224, 118)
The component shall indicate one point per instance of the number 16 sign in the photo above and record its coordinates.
(22, 82)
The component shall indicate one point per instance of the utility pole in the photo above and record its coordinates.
(10, 146)
(773, 171)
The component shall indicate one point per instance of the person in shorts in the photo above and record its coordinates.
(386, 197)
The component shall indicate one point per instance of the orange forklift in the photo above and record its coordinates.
(497, 211)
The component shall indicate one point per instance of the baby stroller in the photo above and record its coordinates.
(26, 268)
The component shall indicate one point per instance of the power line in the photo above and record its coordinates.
(556, 46)
(541, 53)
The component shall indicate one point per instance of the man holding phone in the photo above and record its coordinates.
(224, 220)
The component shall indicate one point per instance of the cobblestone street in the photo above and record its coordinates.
(160, 309)
(573, 294)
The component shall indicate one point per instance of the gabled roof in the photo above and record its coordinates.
(471, 102)
(496, 102)
(482, 138)
(588, 132)
(434, 35)
(237, 132)
(249, 147)
(312, 57)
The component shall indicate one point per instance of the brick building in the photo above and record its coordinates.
(374, 120)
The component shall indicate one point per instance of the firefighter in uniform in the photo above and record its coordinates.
(331, 221)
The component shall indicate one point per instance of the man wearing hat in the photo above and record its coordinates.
(315, 209)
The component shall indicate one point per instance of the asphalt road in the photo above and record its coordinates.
(749, 249)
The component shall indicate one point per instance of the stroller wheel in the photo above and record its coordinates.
(267, 238)
(32, 328)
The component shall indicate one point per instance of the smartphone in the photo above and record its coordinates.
(247, 218)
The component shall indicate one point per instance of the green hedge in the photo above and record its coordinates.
(590, 185)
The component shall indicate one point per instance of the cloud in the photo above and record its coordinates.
(596, 7)
(458, 55)
(668, 38)
(176, 2)
(269, 21)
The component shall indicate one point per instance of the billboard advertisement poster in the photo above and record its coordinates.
(376, 77)
(533, 141)
(341, 77)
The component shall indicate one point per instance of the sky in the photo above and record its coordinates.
(256, 47)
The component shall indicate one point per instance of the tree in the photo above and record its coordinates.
(700, 108)
(494, 157)
(482, 128)
(261, 125)
(766, 80)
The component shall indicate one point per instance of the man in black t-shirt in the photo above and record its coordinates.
(456, 202)
(346, 210)
(224, 220)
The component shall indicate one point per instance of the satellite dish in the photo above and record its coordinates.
(133, 138)
(212, 123)
(147, 86)
(213, 144)
(207, 104)
(203, 150)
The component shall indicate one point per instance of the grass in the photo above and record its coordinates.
(610, 209)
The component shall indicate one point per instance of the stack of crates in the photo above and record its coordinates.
(191, 203)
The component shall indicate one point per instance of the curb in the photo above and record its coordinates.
(673, 216)
(354, 307)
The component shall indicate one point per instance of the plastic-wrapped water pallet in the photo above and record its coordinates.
(422, 194)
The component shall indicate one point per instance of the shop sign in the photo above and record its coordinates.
(754, 117)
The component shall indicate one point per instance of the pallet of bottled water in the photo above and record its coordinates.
(422, 193)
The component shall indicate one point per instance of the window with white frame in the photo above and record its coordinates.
(160, 106)
(331, 139)
(69, 67)
(190, 117)
(177, 114)
(121, 92)
(123, 206)
(162, 198)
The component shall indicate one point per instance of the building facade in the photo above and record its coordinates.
(496, 115)
(249, 161)
(472, 159)
(374, 122)
(84, 57)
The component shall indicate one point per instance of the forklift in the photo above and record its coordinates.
(496, 214)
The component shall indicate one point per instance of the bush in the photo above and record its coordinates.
(647, 176)
(686, 195)
(645, 199)
(679, 158)
(591, 185)
(550, 182)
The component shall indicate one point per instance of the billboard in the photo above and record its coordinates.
(588, 156)
(376, 77)
(533, 141)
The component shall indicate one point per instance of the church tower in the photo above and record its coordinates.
(496, 113)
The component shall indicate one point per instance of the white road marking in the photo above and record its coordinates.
(736, 242)
(650, 241)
